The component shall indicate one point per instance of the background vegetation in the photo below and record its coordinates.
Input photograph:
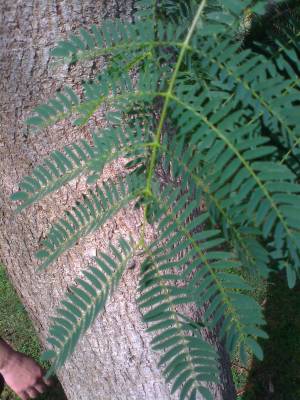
(17, 329)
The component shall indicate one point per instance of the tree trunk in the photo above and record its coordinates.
(114, 359)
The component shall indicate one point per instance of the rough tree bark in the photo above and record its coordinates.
(114, 360)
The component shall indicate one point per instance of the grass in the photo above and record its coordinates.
(17, 329)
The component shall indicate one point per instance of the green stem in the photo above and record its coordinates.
(169, 95)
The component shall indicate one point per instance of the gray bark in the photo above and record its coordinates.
(114, 360)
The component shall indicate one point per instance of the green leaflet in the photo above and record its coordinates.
(77, 159)
(85, 300)
(173, 332)
(210, 276)
(259, 177)
(87, 216)
(106, 89)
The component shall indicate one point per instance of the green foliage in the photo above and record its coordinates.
(17, 329)
(86, 216)
(189, 360)
(83, 302)
(215, 112)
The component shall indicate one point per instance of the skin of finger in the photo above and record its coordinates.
(23, 396)
(48, 382)
(32, 392)
(40, 386)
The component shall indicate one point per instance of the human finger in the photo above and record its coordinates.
(40, 386)
(32, 392)
(48, 382)
(23, 395)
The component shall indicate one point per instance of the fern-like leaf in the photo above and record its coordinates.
(56, 109)
(185, 164)
(83, 302)
(212, 272)
(188, 361)
(107, 89)
(79, 158)
(262, 192)
(113, 38)
(255, 83)
(87, 216)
